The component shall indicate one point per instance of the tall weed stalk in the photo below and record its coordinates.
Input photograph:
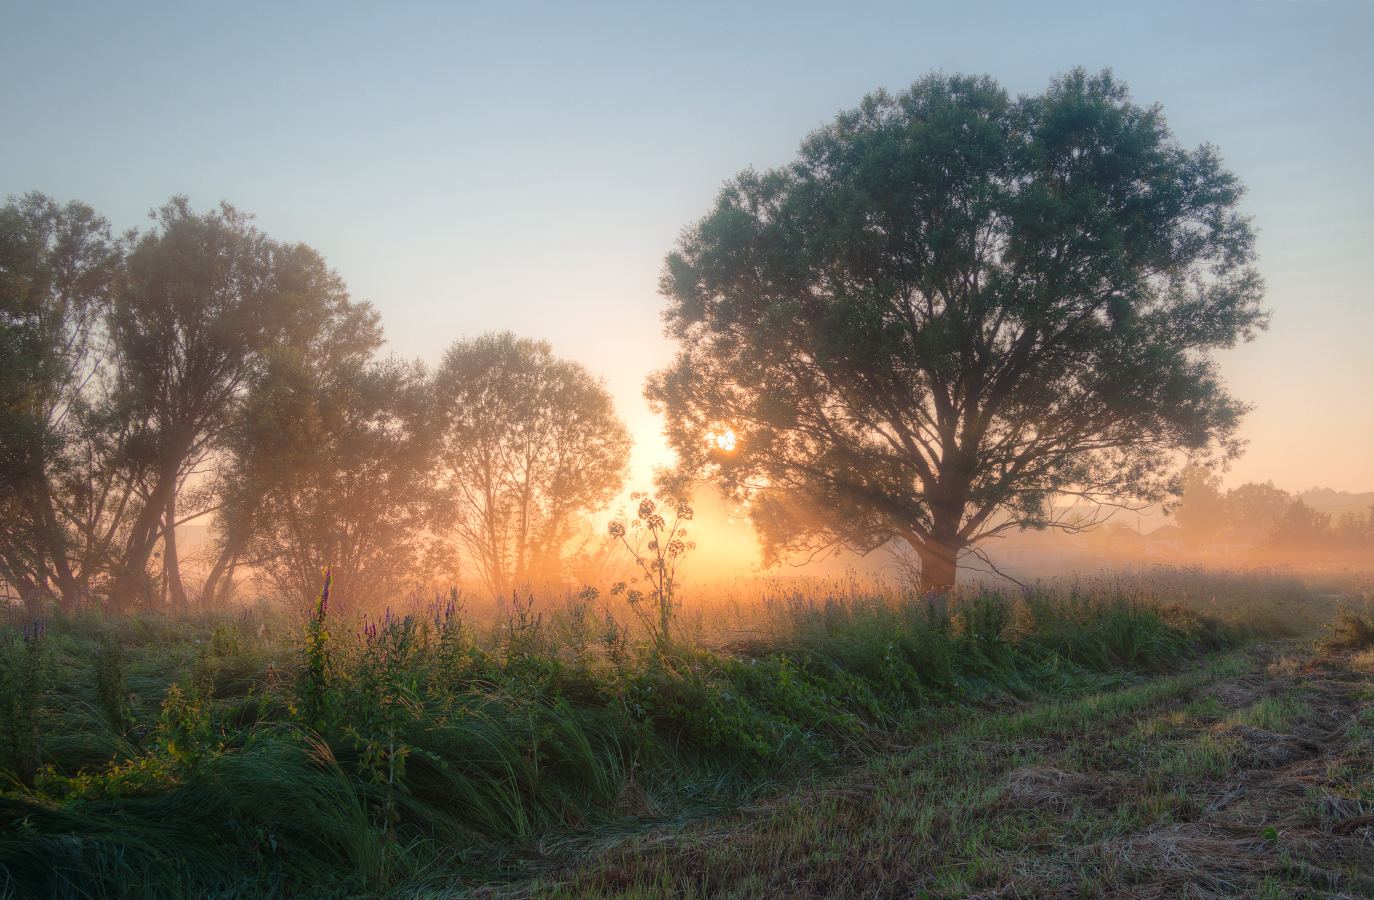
(24, 676)
(314, 683)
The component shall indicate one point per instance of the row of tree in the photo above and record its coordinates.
(952, 308)
(204, 371)
(1272, 517)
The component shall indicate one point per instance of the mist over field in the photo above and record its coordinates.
(690, 451)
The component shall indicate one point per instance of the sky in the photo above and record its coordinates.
(469, 168)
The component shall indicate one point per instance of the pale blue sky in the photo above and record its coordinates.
(528, 166)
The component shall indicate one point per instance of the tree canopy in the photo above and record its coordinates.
(952, 306)
(201, 302)
(331, 466)
(530, 442)
(57, 274)
(203, 368)
(123, 362)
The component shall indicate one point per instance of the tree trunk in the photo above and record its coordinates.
(939, 565)
(227, 584)
(131, 571)
(170, 561)
(57, 550)
(225, 561)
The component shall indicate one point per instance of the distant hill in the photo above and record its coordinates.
(1333, 501)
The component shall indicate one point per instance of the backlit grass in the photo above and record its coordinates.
(257, 754)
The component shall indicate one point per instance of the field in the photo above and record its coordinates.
(1141, 735)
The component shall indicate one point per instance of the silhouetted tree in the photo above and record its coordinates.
(1301, 528)
(1202, 514)
(1354, 531)
(952, 304)
(203, 298)
(531, 442)
(57, 267)
(331, 466)
(1256, 505)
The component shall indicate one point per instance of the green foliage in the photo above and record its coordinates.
(398, 741)
(112, 685)
(58, 266)
(185, 731)
(314, 682)
(382, 699)
(279, 817)
(24, 676)
(951, 305)
(1102, 632)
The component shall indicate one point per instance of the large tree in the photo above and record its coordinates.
(531, 443)
(331, 466)
(203, 300)
(951, 307)
(1256, 505)
(57, 271)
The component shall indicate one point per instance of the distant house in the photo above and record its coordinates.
(1165, 539)
(1124, 541)
(1236, 542)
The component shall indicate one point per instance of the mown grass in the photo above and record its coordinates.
(1162, 789)
(254, 755)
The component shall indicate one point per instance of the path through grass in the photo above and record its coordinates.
(1246, 775)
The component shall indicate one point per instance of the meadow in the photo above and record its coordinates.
(790, 731)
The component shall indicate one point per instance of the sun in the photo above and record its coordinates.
(724, 440)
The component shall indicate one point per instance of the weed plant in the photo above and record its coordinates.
(251, 754)
(23, 691)
(1354, 625)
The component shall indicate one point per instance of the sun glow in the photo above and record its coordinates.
(725, 440)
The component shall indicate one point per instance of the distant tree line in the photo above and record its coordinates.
(203, 372)
(954, 308)
(1276, 520)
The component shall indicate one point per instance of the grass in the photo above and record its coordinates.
(1130, 794)
(257, 755)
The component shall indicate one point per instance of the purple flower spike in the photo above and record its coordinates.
(324, 595)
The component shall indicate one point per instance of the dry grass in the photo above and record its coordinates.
(1248, 775)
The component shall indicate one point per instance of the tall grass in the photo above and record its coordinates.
(253, 754)
(1258, 602)
(1354, 625)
